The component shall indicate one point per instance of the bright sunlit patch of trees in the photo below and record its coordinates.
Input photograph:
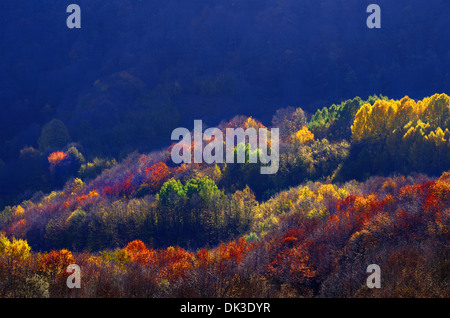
(400, 136)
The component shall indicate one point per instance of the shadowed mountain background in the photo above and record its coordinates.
(137, 68)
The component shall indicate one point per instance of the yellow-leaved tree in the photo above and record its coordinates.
(436, 111)
(14, 249)
(374, 122)
(304, 136)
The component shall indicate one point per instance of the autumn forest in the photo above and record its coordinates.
(359, 103)
(146, 227)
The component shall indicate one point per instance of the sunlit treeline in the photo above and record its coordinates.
(313, 240)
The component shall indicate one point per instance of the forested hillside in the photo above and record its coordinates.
(360, 182)
(139, 68)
